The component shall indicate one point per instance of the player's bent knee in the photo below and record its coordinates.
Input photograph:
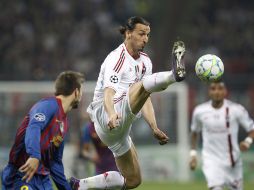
(132, 183)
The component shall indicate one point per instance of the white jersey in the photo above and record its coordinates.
(119, 71)
(220, 130)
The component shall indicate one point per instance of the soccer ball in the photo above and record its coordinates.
(209, 68)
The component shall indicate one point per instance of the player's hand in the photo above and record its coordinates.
(114, 121)
(29, 168)
(162, 137)
(193, 162)
(96, 159)
(244, 146)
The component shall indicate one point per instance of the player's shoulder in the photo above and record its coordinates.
(234, 105)
(49, 103)
(116, 53)
(200, 108)
(204, 105)
(44, 109)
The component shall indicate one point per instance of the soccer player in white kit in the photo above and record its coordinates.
(123, 91)
(219, 120)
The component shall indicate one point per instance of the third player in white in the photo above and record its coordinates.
(219, 120)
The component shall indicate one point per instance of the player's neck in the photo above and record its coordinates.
(131, 51)
(66, 103)
(217, 104)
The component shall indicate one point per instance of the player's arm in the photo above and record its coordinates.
(194, 140)
(246, 143)
(32, 143)
(113, 117)
(38, 119)
(247, 123)
(108, 101)
(195, 129)
(149, 116)
(57, 169)
(112, 76)
(193, 151)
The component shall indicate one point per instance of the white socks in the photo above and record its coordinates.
(109, 180)
(217, 188)
(158, 81)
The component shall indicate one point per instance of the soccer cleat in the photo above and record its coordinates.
(74, 183)
(178, 66)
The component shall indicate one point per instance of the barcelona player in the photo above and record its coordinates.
(38, 147)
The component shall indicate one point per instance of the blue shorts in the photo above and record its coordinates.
(12, 180)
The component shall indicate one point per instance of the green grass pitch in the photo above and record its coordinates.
(182, 186)
(197, 185)
(179, 186)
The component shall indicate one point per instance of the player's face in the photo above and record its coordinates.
(217, 91)
(138, 38)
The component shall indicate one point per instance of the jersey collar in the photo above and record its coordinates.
(128, 54)
(59, 102)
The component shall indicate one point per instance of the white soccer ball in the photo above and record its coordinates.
(209, 68)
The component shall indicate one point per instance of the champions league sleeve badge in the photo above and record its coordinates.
(39, 117)
(114, 79)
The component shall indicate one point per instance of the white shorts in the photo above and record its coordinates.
(225, 176)
(118, 139)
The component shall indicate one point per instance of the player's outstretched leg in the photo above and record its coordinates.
(161, 80)
(128, 166)
(108, 180)
(156, 82)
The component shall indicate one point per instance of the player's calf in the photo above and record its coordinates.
(161, 80)
(158, 81)
(108, 180)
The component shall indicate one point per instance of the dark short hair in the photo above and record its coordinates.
(219, 81)
(67, 81)
(131, 23)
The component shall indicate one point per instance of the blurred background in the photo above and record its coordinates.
(39, 39)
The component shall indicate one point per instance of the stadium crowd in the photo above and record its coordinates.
(41, 38)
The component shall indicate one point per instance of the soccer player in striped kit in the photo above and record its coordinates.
(38, 148)
(219, 120)
(122, 93)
